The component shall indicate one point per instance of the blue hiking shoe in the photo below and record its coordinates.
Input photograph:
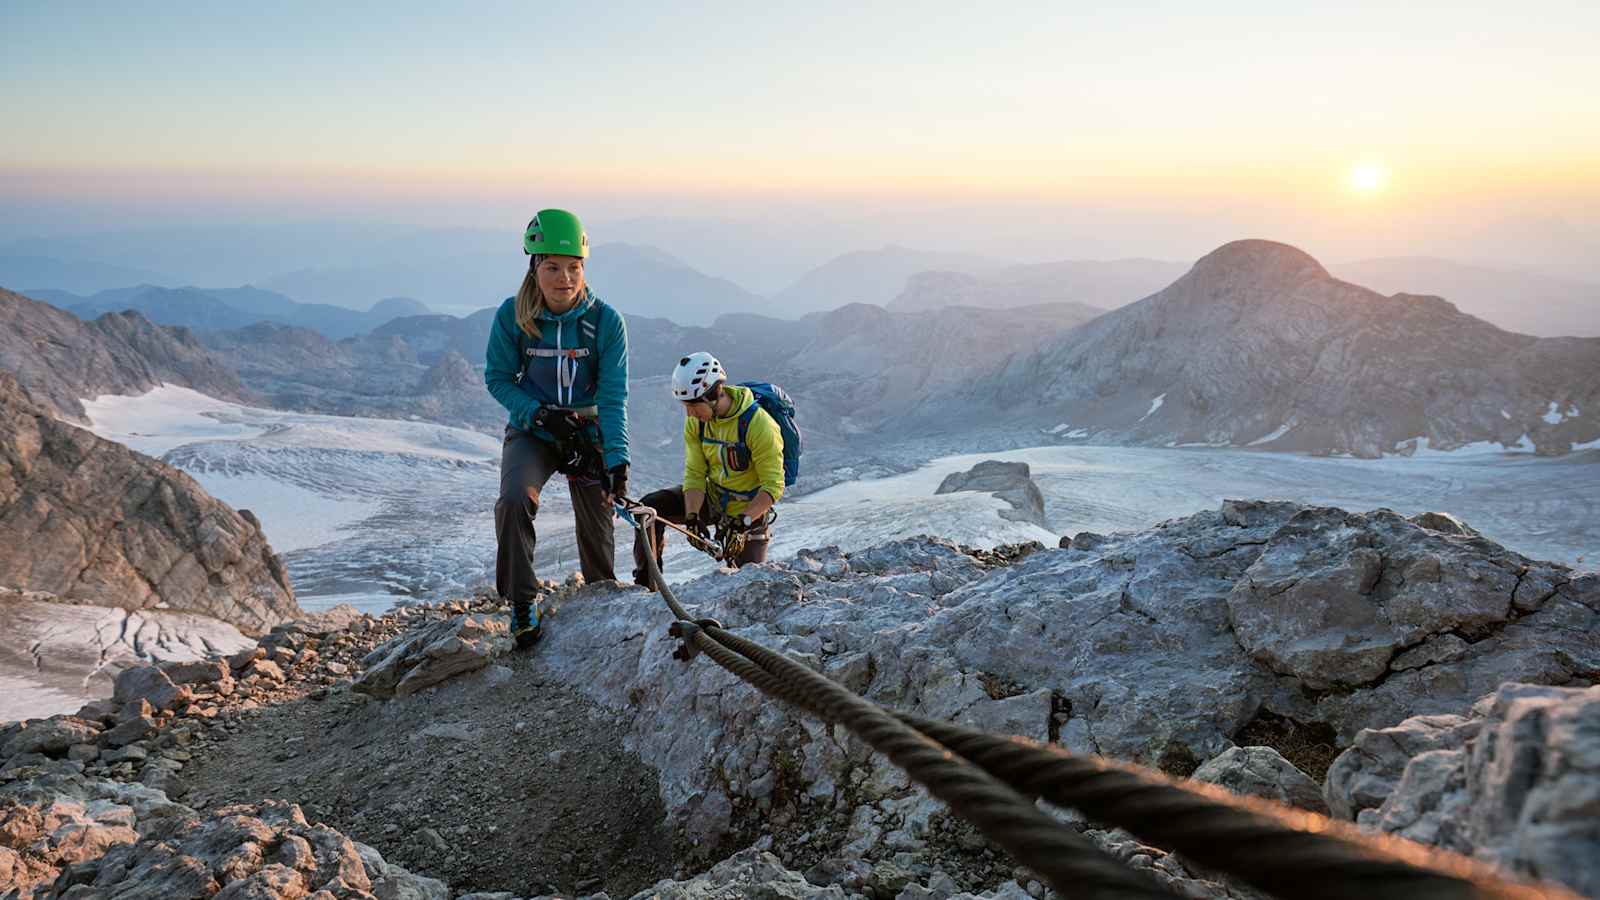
(525, 628)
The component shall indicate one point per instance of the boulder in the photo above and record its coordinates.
(1514, 783)
(267, 669)
(151, 685)
(102, 712)
(1009, 481)
(431, 653)
(51, 737)
(1337, 599)
(1363, 776)
(239, 661)
(140, 728)
(1262, 772)
(93, 839)
(200, 671)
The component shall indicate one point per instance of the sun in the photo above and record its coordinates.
(1367, 179)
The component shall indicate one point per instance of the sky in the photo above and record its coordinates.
(1035, 131)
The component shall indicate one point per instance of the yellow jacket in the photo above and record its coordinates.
(709, 465)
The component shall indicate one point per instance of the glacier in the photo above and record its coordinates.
(373, 512)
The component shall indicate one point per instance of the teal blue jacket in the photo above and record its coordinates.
(593, 371)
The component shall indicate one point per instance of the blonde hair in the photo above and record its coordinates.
(530, 300)
(530, 303)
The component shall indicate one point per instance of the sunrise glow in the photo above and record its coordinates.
(1367, 179)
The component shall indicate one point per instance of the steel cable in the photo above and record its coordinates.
(991, 780)
(1061, 857)
(1286, 852)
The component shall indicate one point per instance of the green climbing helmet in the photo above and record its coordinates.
(556, 232)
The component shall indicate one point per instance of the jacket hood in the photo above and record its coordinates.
(743, 397)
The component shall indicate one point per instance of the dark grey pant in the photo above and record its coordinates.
(669, 505)
(526, 463)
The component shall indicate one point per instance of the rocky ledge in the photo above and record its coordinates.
(1250, 646)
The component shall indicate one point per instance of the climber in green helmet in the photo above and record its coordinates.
(557, 360)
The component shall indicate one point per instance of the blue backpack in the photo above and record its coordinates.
(776, 402)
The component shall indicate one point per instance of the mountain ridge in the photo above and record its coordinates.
(1257, 345)
(62, 360)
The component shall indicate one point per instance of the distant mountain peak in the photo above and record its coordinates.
(1262, 257)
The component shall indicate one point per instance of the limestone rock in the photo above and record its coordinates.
(150, 684)
(61, 359)
(239, 661)
(748, 873)
(425, 656)
(129, 842)
(140, 728)
(1363, 776)
(1262, 772)
(52, 736)
(90, 521)
(53, 823)
(1335, 597)
(1010, 481)
(202, 671)
(1128, 649)
(1513, 784)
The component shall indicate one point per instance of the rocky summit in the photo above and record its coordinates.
(414, 755)
(1257, 345)
(90, 521)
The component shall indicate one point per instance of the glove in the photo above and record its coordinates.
(561, 424)
(617, 479)
(697, 527)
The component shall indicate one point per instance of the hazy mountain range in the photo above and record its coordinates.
(459, 270)
(1255, 345)
(219, 308)
(1258, 345)
(1528, 302)
(1107, 285)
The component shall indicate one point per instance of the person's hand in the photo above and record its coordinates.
(697, 527)
(618, 478)
(561, 424)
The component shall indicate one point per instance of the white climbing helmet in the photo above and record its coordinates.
(695, 374)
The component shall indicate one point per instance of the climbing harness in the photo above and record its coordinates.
(732, 536)
(994, 783)
(579, 453)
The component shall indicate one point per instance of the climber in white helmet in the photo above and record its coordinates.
(733, 462)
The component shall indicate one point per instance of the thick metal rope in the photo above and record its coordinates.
(1064, 859)
(1285, 852)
